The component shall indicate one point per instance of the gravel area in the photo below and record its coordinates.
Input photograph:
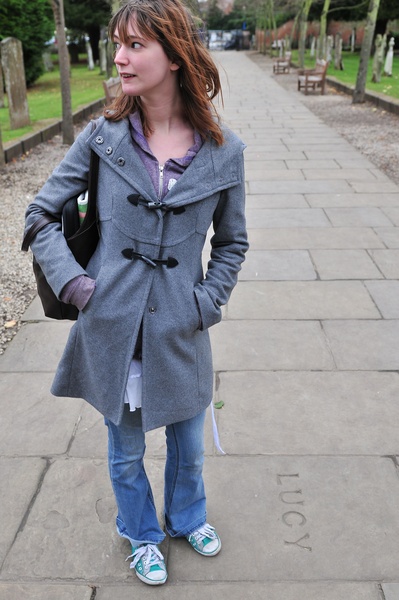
(368, 129)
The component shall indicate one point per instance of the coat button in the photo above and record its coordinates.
(108, 150)
(152, 310)
(99, 139)
(121, 161)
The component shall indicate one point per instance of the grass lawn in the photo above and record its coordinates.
(44, 99)
(388, 85)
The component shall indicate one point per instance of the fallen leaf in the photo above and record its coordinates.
(219, 404)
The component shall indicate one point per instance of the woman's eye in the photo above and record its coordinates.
(116, 46)
(136, 45)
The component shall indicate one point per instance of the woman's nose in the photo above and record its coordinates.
(120, 56)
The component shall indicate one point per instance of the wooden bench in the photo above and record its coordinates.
(282, 64)
(111, 88)
(312, 79)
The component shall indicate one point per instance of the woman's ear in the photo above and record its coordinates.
(174, 66)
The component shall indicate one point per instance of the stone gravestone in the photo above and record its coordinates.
(313, 46)
(378, 61)
(389, 58)
(90, 62)
(14, 76)
(330, 44)
(102, 46)
(48, 63)
(338, 64)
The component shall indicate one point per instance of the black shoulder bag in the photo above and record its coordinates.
(82, 239)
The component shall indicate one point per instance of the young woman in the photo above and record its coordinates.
(139, 351)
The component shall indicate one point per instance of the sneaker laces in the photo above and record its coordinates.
(150, 555)
(207, 531)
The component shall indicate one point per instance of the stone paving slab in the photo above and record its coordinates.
(325, 138)
(355, 200)
(356, 163)
(387, 261)
(34, 312)
(90, 438)
(386, 296)
(304, 300)
(277, 265)
(345, 264)
(26, 399)
(348, 174)
(70, 532)
(303, 187)
(30, 351)
(266, 155)
(260, 142)
(286, 217)
(357, 217)
(270, 345)
(377, 187)
(16, 591)
(251, 591)
(379, 175)
(364, 345)
(391, 591)
(308, 413)
(273, 175)
(388, 235)
(318, 237)
(333, 152)
(20, 478)
(258, 201)
(311, 165)
(393, 214)
(255, 165)
(334, 147)
(324, 518)
(260, 154)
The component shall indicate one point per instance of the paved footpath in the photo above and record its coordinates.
(307, 497)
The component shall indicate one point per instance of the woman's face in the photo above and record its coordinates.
(143, 66)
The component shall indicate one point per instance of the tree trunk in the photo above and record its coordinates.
(358, 94)
(110, 46)
(323, 30)
(294, 28)
(63, 57)
(303, 27)
(2, 159)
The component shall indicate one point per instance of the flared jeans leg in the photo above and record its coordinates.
(137, 519)
(185, 501)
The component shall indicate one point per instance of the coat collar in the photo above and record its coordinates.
(212, 169)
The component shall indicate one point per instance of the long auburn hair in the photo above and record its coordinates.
(172, 25)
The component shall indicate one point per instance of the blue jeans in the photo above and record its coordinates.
(184, 494)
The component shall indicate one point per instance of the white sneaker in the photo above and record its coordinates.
(205, 540)
(149, 564)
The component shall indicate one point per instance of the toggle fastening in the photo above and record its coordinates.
(169, 262)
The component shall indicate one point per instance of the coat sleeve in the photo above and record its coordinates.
(228, 247)
(68, 180)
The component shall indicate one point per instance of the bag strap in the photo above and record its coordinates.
(91, 208)
(35, 228)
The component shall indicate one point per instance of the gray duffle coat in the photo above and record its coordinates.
(174, 303)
